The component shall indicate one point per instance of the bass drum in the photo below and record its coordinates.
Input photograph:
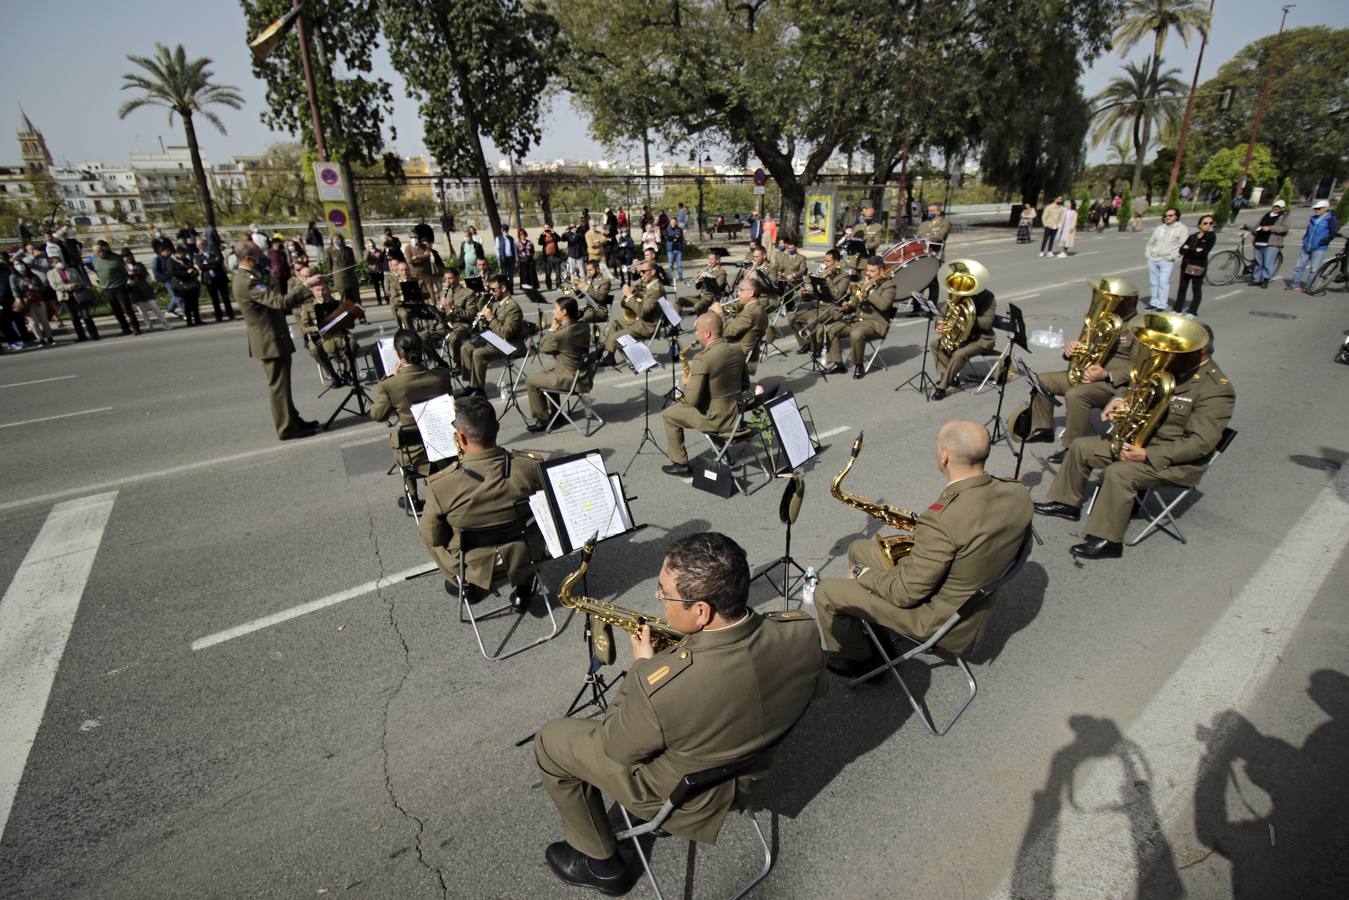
(914, 265)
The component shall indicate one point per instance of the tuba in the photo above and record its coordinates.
(662, 635)
(963, 279)
(1101, 327)
(894, 546)
(1166, 335)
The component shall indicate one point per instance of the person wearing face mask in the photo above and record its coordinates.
(789, 265)
(142, 292)
(969, 537)
(342, 270)
(27, 289)
(70, 289)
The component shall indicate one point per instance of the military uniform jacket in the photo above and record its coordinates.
(715, 698)
(965, 540)
(646, 300)
(714, 283)
(766, 276)
(411, 384)
(264, 311)
(599, 289)
(1200, 409)
(875, 310)
(717, 376)
(418, 260)
(508, 320)
(871, 234)
(342, 268)
(459, 305)
(839, 283)
(935, 230)
(568, 344)
(304, 313)
(747, 327)
(790, 268)
(985, 309)
(479, 490)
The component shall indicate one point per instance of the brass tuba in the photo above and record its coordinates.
(1167, 335)
(662, 635)
(963, 279)
(1101, 327)
(894, 546)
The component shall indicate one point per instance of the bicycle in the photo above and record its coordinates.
(1229, 265)
(1333, 271)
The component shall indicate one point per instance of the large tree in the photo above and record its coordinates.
(353, 105)
(182, 86)
(479, 68)
(1135, 103)
(1306, 121)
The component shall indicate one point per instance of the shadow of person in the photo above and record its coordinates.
(1015, 606)
(1275, 812)
(1095, 738)
(1330, 460)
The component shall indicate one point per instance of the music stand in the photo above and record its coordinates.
(357, 392)
(788, 509)
(925, 383)
(647, 435)
(533, 294)
(1015, 324)
(813, 364)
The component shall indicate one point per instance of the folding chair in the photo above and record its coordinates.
(739, 446)
(876, 346)
(983, 595)
(408, 436)
(496, 536)
(1154, 496)
(577, 397)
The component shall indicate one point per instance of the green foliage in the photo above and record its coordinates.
(1126, 207)
(1342, 208)
(1222, 208)
(1304, 125)
(1286, 192)
(1224, 167)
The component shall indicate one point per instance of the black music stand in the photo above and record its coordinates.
(647, 436)
(788, 509)
(357, 392)
(1015, 325)
(813, 364)
(924, 382)
(672, 395)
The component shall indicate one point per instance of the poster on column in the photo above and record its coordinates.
(820, 219)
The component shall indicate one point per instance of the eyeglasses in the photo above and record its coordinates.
(1206, 222)
(664, 599)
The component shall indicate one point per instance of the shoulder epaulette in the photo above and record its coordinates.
(663, 668)
(789, 615)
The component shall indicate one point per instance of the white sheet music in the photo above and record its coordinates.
(435, 420)
(543, 516)
(638, 354)
(388, 356)
(586, 499)
(791, 429)
(671, 314)
(500, 343)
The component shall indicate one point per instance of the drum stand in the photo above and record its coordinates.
(356, 393)
(922, 382)
(647, 436)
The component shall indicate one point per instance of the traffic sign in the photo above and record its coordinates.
(760, 177)
(335, 213)
(328, 181)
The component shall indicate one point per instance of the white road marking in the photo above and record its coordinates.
(833, 431)
(83, 412)
(1224, 672)
(1228, 294)
(290, 446)
(36, 615)
(38, 381)
(305, 609)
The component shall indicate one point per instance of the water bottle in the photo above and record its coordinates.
(808, 585)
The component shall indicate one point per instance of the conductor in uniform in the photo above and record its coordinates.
(873, 321)
(717, 376)
(264, 310)
(968, 538)
(734, 686)
(747, 327)
(642, 303)
(483, 489)
(567, 339)
(1191, 428)
(980, 340)
(871, 231)
(505, 319)
(410, 382)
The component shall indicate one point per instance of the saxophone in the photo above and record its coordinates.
(684, 358)
(1101, 327)
(662, 635)
(1166, 335)
(894, 546)
(963, 279)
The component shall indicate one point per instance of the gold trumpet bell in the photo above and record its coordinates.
(964, 277)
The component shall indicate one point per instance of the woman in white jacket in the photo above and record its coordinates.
(1068, 229)
(1162, 252)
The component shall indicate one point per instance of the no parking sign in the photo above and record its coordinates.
(336, 214)
(328, 180)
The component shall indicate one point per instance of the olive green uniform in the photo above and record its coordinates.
(1193, 424)
(936, 231)
(508, 323)
(808, 324)
(873, 322)
(646, 301)
(321, 349)
(967, 539)
(746, 330)
(480, 490)
(1081, 400)
(342, 272)
(264, 311)
(872, 233)
(715, 697)
(600, 290)
(567, 345)
(790, 268)
(395, 394)
(712, 288)
(460, 307)
(979, 341)
(419, 262)
(717, 376)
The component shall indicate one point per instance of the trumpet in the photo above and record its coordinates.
(631, 621)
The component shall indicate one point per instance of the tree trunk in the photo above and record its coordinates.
(793, 203)
(646, 160)
(198, 170)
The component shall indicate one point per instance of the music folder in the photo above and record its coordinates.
(580, 498)
(790, 433)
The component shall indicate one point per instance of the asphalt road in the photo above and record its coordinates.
(366, 748)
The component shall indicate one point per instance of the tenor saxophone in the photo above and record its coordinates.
(894, 546)
(662, 635)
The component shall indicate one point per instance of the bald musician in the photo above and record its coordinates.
(712, 389)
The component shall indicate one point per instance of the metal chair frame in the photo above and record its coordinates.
(491, 536)
(741, 433)
(565, 403)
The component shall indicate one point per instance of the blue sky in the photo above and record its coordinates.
(68, 77)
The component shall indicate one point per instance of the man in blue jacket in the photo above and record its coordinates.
(1320, 230)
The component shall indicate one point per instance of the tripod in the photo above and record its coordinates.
(787, 513)
(594, 684)
(1002, 367)
(356, 393)
(646, 424)
(922, 382)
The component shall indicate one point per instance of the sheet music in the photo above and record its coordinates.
(926, 304)
(543, 516)
(435, 421)
(388, 356)
(500, 343)
(638, 354)
(336, 319)
(585, 499)
(792, 431)
(671, 314)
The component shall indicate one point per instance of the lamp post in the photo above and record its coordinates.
(1260, 108)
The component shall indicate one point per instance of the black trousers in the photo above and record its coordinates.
(191, 306)
(1196, 286)
(81, 320)
(119, 299)
(377, 282)
(1047, 242)
(220, 300)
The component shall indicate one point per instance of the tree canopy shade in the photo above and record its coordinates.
(1224, 167)
(183, 87)
(1137, 102)
(479, 68)
(353, 105)
(1306, 121)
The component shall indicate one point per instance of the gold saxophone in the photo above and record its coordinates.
(894, 546)
(684, 358)
(662, 635)
(1101, 327)
(1167, 335)
(963, 279)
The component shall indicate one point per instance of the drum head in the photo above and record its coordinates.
(915, 275)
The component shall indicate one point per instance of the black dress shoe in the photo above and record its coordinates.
(1097, 548)
(857, 372)
(804, 351)
(299, 433)
(520, 595)
(309, 424)
(1040, 436)
(417, 504)
(938, 394)
(1058, 456)
(849, 667)
(334, 383)
(573, 867)
(536, 426)
(1058, 510)
(677, 469)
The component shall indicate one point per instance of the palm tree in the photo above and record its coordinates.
(184, 88)
(1157, 17)
(1136, 102)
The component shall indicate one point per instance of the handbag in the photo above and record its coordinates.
(1194, 270)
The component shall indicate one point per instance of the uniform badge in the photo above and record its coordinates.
(938, 507)
(657, 675)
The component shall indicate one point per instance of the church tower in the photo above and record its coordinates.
(33, 146)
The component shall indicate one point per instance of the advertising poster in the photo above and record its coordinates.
(820, 220)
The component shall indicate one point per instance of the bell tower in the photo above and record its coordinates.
(33, 146)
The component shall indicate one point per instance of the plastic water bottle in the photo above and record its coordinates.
(808, 585)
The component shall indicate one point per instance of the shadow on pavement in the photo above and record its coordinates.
(1015, 607)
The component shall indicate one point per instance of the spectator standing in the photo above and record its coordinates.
(23, 287)
(216, 277)
(27, 286)
(258, 237)
(1193, 264)
(524, 249)
(470, 250)
(111, 273)
(650, 238)
(1267, 241)
(1321, 230)
(626, 252)
(187, 234)
(770, 230)
(1162, 251)
(162, 269)
(505, 248)
(23, 233)
(674, 249)
(576, 250)
(552, 256)
(393, 249)
(682, 217)
(142, 291)
(278, 262)
(595, 243)
(755, 227)
(1051, 219)
(71, 292)
(662, 221)
(9, 334)
(159, 240)
(376, 265)
(342, 271)
(1068, 229)
(186, 281)
(624, 223)
(424, 231)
